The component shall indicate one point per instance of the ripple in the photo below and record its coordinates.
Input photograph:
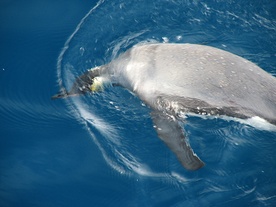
(24, 101)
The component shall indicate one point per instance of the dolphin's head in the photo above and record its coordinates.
(90, 81)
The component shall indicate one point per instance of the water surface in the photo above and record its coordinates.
(102, 150)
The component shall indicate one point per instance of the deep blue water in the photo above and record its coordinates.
(102, 150)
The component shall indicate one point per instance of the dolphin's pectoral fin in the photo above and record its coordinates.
(172, 134)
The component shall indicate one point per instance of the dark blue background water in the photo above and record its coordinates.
(103, 150)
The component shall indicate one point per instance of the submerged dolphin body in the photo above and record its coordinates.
(178, 79)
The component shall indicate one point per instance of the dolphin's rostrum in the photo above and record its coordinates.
(178, 79)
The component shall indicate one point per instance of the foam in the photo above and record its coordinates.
(259, 123)
(256, 121)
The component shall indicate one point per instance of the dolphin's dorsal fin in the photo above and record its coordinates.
(172, 134)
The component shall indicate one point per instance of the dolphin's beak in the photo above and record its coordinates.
(63, 95)
(60, 95)
(81, 85)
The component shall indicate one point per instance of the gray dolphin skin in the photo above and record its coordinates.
(175, 80)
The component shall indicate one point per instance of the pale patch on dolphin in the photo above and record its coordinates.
(175, 80)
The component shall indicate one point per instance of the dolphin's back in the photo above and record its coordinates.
(198, 72)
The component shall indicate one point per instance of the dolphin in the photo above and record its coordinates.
(176, 80)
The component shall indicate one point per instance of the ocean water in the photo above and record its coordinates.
(102, 149)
